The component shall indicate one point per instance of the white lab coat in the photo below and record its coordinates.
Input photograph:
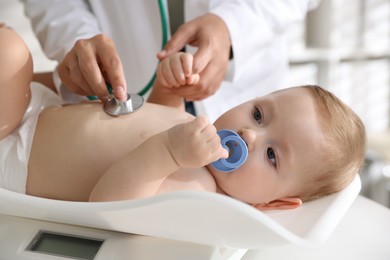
(256, 29)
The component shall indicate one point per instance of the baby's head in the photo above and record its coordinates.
(303, 143)
(343, 148)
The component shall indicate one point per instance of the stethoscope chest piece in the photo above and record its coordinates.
(115, 107)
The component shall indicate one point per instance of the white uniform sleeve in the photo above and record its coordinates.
(58, 24)
(253, 24)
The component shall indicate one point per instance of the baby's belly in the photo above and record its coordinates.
(73, 146)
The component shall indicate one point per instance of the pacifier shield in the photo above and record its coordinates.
(237, 148)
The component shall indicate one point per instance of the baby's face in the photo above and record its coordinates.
(284, 141)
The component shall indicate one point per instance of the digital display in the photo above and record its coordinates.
(70, 246)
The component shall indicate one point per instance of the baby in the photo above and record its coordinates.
(303, 142)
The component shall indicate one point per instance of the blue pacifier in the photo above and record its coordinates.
(238, 151)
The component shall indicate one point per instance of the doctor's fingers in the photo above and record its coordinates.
(211, 78)
(211, 52)
(178, 40)
(98, 55)
(212, 40)
(202, 57)
(193, 79)
(112, 66)
(72, 78)
(90, 70)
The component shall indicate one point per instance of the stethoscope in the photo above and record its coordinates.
(134, 102)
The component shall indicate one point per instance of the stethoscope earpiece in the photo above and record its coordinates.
(237, 148)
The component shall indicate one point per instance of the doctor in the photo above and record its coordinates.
(240, 50)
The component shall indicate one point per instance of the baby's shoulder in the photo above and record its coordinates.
(198, 179)
(166, 111)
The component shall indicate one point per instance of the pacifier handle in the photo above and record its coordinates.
(237, 148)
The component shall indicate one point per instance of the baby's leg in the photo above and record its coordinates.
(16, 71)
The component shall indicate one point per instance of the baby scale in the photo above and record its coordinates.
(176, 225)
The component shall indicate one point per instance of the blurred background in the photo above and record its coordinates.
(343, 45)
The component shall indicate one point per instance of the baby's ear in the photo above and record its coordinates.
(280, 204)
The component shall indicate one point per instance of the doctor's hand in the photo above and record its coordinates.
(210, 35)
(90, 64)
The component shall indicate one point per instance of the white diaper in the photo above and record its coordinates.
(15, 148)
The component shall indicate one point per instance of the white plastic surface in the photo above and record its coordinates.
(198, 217)
(362, 234)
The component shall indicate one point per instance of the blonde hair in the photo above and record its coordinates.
(344, 146)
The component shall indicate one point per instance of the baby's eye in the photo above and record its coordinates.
(271, 156)
(257, 115)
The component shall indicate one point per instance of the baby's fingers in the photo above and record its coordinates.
(223, 153)
(179, 74)
(159, 77)
(186, 62)
(200, 123)
(164, 73)
(216, 150)
(193, 79)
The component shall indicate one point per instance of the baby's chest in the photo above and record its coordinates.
(189, 179)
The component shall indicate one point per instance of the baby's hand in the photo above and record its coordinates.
(195, 144)
(176, 70)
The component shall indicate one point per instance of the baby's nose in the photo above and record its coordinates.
(249, 137)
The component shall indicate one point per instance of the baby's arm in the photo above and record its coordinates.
(46, 79)
(142, 172)
(174, 71)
